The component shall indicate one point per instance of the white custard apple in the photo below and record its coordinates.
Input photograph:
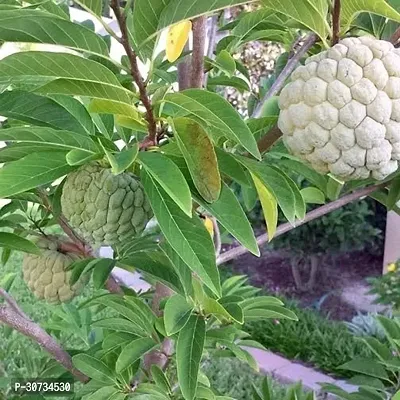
(105, 208)
(341, 111)
(46, 274)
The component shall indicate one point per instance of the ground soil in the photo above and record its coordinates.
(272, 271)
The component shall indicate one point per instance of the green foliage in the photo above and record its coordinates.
(312, 339)
(387, 286)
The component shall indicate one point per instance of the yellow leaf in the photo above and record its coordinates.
(177, 37)
(209, 226)
(269, 206)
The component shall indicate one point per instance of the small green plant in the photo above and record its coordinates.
(378, 376)
(387, 286)
(365, 325)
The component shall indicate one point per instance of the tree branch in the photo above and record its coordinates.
(286, 72)
(12, 303)
(135, 72)
(199, 41)
(15, 320)
(314, 214)
(267, 141)
(212, 37)
(184, 71)
(394, 39)
(335, 22)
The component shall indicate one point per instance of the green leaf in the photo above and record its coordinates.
(215, 115)
(352, 8)
(130, 123)
(269, 206)
(229, 213)
(310, 13)
(32, 171)
(157, 265)
(122, 160)
(132, 352)
(394, 193)
(234, 81)
(160, 378)
(313, 195)
(212, 306)
(276, 182)
(96, 6)
(57, 139)
(101, 106)
(62, 73)
(40, 110)
(120, 325)
(187, 236)
(229, 166)
(170, 178)
(368, 367)
(333, 188)
(260, 302)
(189, 350)
(225, 62)
(105, 393)
(79, 157)
(176, 314)
(101, 272)
(200, 157)
(34, 26)
(15, 242)
(93, 368)
(396, 396)
(267, 312)
(7, 280)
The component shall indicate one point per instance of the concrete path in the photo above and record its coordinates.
(357, 296)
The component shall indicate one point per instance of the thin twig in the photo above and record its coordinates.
(212, 37)
(286, 72)
(199, 41)
(135, 72)
(32, 330)
(335, 22)
(314, 214)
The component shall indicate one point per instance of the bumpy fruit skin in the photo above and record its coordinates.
(341, 112)
(105, 208)
(46, 274)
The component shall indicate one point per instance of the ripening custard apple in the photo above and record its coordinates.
(46, 274)
(341, 111)
(104, 208)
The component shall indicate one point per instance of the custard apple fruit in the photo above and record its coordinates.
(341, 110)
(105, 209)
(46, 274)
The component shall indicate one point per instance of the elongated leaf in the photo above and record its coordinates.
(59, 140)
(269, 311)
(15, 242)
(276, 183)
(118, 324)
(352, 8)
(269, 206)
(40, 110)
(34, 26)
(93, 368)
(160, 378)
(61, 73)
(394, 193)
(31, 171)
(229, 166)
(170, 178)
(234, 81)
(229, 213)
(95, 6)
(367, 367)
(133, 351)
(105, 393)
(200, 157)
(310, 13)
(157, 265)
(79, 157)
(313, 195)
(176, 314)
(101, 272)
(226, 62)
(16, 151)
(122, 160)
(101, 106)
(215, 115)
(189, 349)
(187, 236)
